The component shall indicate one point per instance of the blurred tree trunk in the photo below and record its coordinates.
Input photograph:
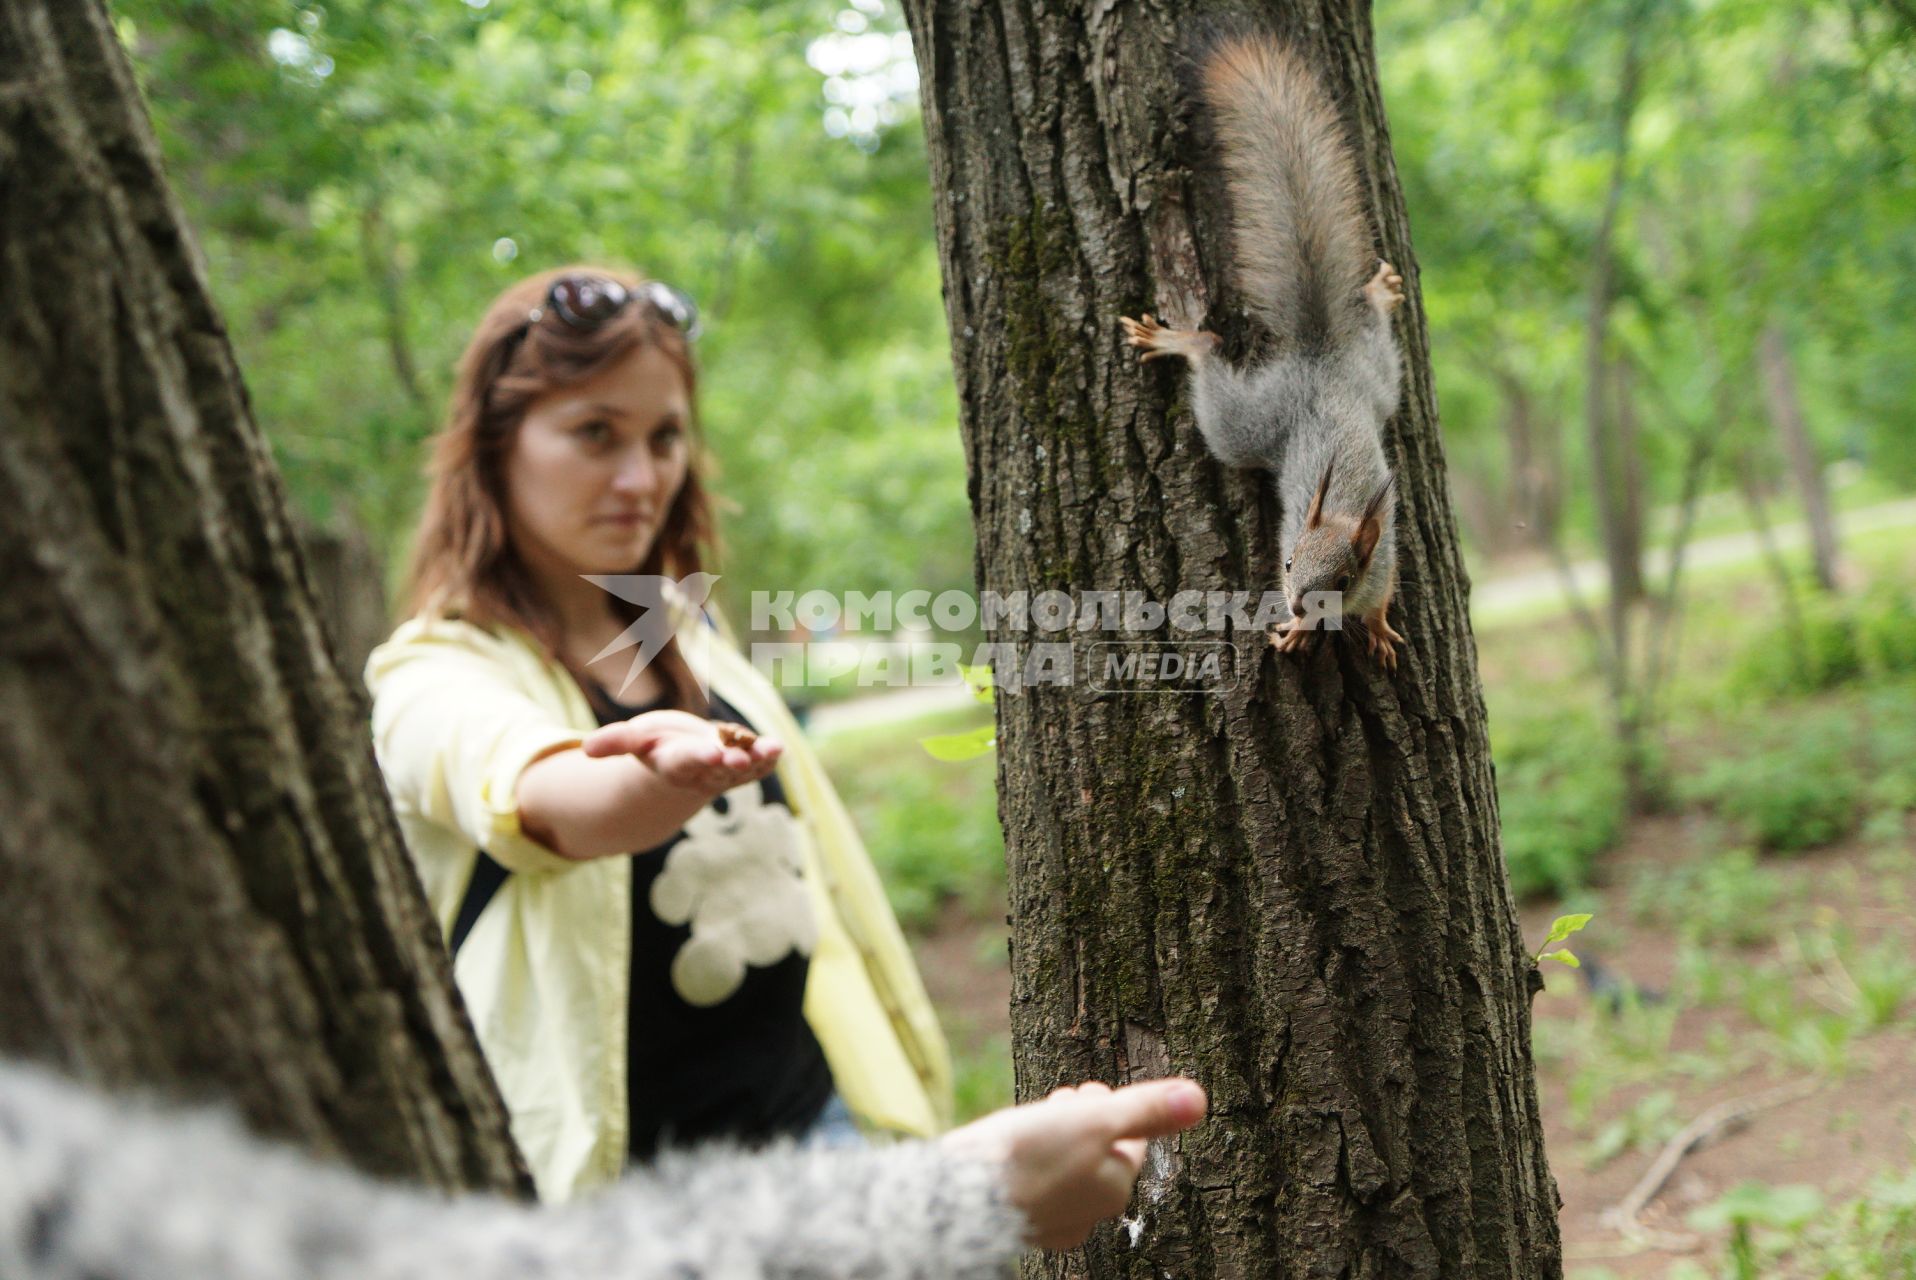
(1786, 412)
(1609, 459)
(1627, 457)
(1531, 485)
(203, 886)
(1623, 536)
(1795, 624)
(1292, 888)
(349, 589)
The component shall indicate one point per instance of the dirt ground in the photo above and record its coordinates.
(1840, 1122)
(1853, 1123)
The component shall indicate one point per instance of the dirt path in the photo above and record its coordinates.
(1494, 597)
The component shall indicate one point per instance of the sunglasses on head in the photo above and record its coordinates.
(587, 302)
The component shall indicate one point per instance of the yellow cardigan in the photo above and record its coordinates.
(458, 713)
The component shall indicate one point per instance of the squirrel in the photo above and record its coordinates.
(1313, 414)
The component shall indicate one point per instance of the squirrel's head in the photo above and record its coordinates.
(1335, 549)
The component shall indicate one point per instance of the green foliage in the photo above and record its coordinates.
(1560, 796)
(1651, 1121)
(366, 176)
(1767, 154)
(932, 827)
(982, 1078)
(1800, 792)
(1756, 1204)
(1789, 1230)
(1560, 928)
(972, 742)
(1885, 624)
(1843, 641)
(1753, 1204)
(1609, 1047)
(961, 746)
(1803, 1032)
(1884, 982)
(1727, 899)
(933, 842)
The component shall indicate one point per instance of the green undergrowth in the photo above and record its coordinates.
(1798, 774)
(1834, 643)
(1791, 737)
(1797, 1231)
(1560, 795)
(981, 1076)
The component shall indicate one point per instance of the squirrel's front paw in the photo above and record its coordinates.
(1381, 640)
(1385, 290)
(1291, 638)
(1153, 340)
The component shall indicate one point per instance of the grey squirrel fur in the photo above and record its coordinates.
(1314, 412)
(96, 1188)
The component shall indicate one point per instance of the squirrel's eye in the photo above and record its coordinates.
(1287, 564)
(1344, 582)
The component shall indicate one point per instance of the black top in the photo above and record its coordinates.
(743, 1065)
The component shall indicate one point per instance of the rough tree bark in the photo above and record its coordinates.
(1292, 889)
(203, 886)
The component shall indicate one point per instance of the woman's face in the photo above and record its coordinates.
(595, 466)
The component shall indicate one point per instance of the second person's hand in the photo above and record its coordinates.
(1071, 1159)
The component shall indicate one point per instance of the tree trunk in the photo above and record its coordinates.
(1795, 624)
(1293, 888)
(1622, 552)
(349, 588)
(1535, 462)
(1786, 412)
(203, 886)
(1627, 457)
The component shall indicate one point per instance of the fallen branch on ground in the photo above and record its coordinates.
(1719, 1121)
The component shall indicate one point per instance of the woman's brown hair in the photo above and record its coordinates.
(464, 564)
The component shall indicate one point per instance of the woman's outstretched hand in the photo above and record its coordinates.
(1070, 1160)
(710, 757)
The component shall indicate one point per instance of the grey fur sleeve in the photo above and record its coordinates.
(92, 1189)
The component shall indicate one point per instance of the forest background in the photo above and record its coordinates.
(1655, 241)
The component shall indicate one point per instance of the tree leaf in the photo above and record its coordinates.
(1567, 957)
(961, 746)
(1563, 926)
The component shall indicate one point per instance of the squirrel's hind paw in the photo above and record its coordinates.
(1154, 341)
(1385, 292)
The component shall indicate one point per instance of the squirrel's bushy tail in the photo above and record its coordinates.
(1303, 246)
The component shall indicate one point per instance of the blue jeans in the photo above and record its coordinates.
(834, 1130)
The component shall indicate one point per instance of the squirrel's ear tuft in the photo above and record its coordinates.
(1315, 516)
(1380, 501)
(1370, 526)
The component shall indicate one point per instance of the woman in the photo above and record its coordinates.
(664, 932)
